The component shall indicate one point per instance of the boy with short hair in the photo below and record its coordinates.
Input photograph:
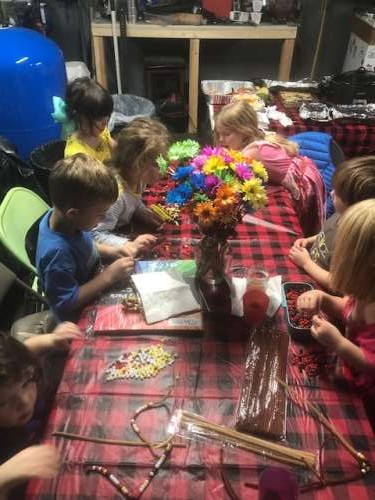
(353, 181)
(82, 189)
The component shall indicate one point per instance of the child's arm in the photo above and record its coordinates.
(327, 334)
(115, 272)
(128, 249)
(251, 152)
(146, 216)
(316, 300)
(59, 339)
(112, 143)
(66, 295)
(35, 461)
(109, 252)
(301, 257)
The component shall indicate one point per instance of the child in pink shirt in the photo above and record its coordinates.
(353, 275)
(236, 127)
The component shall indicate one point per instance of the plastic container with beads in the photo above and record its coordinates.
(297, 332)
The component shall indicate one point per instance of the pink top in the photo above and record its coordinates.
(299, 175)
(363, 336)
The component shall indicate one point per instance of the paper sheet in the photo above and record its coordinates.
(164, 294)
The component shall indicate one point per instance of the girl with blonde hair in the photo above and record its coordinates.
(353, 275)
(236, 127)
(134, 160)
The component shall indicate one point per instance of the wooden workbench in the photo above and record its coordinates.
(195, 34)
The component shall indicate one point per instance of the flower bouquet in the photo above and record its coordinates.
(215, 186)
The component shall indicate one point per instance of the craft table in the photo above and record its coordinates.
(205, 379)
(287, 34)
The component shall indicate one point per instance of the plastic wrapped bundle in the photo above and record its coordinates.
(262, 403)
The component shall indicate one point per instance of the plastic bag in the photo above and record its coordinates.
(76, 69)
(127, 107)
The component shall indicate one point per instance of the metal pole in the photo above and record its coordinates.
(115, 46)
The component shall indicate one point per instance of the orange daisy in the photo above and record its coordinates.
(226, 194)
(205, 212)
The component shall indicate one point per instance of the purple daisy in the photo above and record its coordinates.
(243, 171)
(211, 182)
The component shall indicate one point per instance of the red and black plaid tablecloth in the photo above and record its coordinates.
(355, 138)
(206, 379)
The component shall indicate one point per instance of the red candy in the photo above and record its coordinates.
(297, 318)
(312, 363)
(255, 304)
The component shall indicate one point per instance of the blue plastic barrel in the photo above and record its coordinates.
(32, 71)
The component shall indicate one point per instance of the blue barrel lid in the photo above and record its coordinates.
(26, 48)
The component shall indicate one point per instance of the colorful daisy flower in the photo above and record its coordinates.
(215, 184)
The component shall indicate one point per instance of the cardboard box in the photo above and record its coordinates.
(361, 48)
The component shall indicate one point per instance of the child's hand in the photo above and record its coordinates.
(35, 461)
(153, 219)
(301, 243)
(139, 245)
(300, 256)
(119, 269)
(145, 240)
(310, 301)
(326, 333)
(63, 334)
(149, 218)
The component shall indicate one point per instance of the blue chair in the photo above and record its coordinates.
(325, 152)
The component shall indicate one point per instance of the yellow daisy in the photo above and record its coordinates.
(237, 156)
(214, 164)
(254, 192)
(259, 170)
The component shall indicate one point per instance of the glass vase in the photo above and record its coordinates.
(212, 262)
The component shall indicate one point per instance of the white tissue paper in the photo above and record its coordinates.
(164, 294)
(238, 289)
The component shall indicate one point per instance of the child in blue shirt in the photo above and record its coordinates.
(68, 261)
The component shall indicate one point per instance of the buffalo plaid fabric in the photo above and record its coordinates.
(354, 138)
(205, 379)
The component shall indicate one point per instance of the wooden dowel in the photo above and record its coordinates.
(114, 442)
(361, 459)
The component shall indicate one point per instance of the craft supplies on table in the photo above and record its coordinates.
(141, 364)
(206, 380)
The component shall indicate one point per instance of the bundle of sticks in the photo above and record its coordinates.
(199, 426)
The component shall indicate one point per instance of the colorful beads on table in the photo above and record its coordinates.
(132, 303)
(141, 364)
(168, 213)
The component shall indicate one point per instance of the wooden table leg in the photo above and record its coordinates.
(99, 61)
(286, 59)
(193, 84)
